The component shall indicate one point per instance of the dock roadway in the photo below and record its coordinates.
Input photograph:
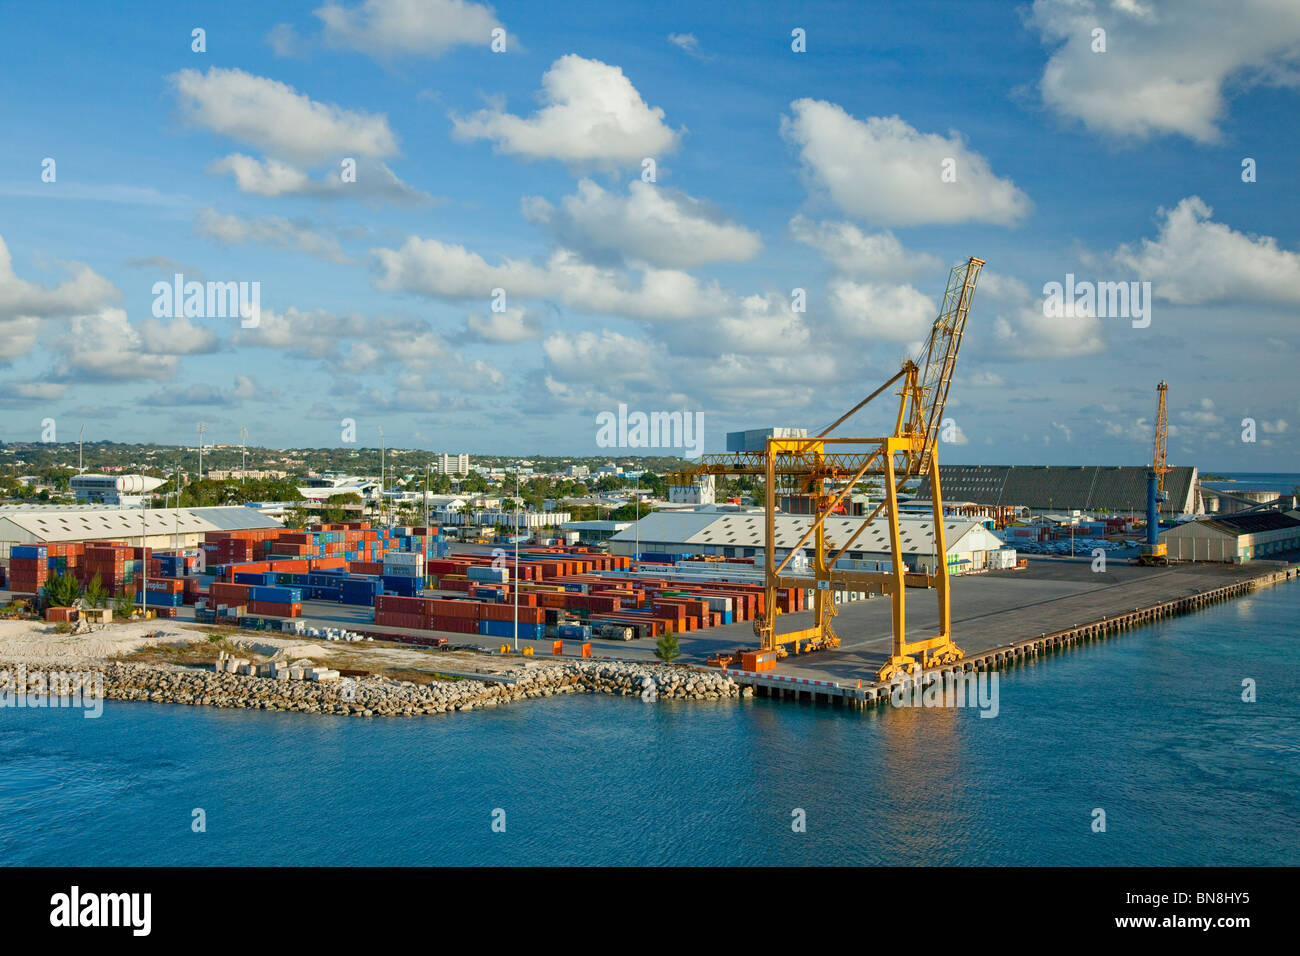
(988, 611)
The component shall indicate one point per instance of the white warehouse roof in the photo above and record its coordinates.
(37, 526)
(705, 528)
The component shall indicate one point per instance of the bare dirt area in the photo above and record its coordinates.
(184, 644)
(41, 641)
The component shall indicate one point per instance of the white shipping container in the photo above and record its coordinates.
(404, 557)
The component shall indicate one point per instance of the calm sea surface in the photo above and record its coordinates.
(1149, 727)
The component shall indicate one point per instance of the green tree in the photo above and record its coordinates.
(666, 648)
(61, 591)
(333, 511)
(632, 512)
(123, 606)
(96, 593)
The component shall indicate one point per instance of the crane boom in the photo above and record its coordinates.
(1160, 460)
(828, 468)
(941, 356)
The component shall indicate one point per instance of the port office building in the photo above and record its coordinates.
(1088, 488)
(676, 534)
(1234, 538)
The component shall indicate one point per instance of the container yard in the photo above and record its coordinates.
(407, 585)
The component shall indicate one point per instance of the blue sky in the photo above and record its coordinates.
(775, 170)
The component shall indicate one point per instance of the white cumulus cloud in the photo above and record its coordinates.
(871, 311)
(1167, 63)
(277, 118)
(512, 325)
(433, 268)
(864, 255)
(654, 224)
(387, 28)
(886, 172)
(231, 230)
(1194, 259)
(592, 114)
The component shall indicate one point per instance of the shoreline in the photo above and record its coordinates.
(383, 697)
(528, 678)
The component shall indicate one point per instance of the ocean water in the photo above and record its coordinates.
(1149, 727)
(1281, 482)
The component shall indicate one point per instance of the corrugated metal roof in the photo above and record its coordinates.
(1087, 487)
(1238, 525)
(61, 524)
(747, 530)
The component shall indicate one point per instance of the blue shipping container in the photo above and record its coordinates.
(161, 599)
(274, 595)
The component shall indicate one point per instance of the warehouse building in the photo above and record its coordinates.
(1234, 538)
(162, 527)
(594, 532)
(1112, 488)
(740, 535)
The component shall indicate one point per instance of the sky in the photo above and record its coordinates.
(479, 227)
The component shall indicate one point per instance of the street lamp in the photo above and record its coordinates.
(203, 427)
(514, 584)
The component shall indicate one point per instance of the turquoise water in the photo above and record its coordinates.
(1149, 727)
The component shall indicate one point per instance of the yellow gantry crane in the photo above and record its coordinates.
(820, 465)
(1160, 458)
(1153, 552)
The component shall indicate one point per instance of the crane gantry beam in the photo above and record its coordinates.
(816, 464)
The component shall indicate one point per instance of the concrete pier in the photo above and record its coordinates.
(861, 695)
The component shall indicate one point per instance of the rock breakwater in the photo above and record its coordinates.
(382, 697)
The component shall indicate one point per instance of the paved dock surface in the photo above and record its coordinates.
(988, 611)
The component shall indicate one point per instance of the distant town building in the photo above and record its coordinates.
(240, 473)
(699, 492)
(121, 491)
(592, 532)
(451, 465)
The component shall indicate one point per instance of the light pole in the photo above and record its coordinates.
(176, 512)
(79, 438)
(637, 523)
(243, 454)
(381, 473)
(144, 559)
(514, 584)
(203, 427)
